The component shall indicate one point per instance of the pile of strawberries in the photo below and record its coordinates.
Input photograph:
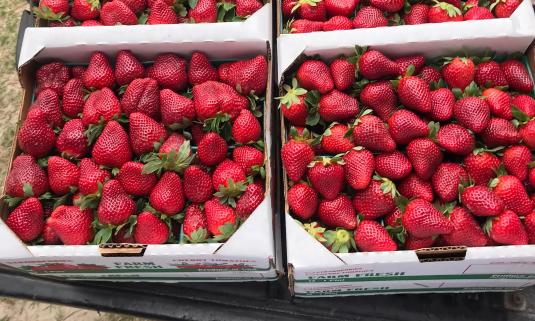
(387, 154)
(65, 13)
(139, 153)
(303, 16)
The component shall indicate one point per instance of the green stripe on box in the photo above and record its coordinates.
(143, 271)
(384, 291)
(163, 278)
(419, 277)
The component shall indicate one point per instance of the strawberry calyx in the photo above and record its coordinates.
(44, 12)
(445, 208)
(339, 241)
(433, 129)
(172, 161)
(401, 202)
(180, 8)
(299, 3)
(327, 161)
(450, 9)
(398, 233)
(228, 194)
(226, 231)
(95, 4)
(312, 101)
(483, 149)
(495, 3)
(487, 226)
(94, 131)
(305, 136)
(220, 124)
(520, 117)
(198, 236)
(387, 186)
(357, 121)
(90, 200)
(292, 94)
(315, 230)
(471, 91)
(28, 192)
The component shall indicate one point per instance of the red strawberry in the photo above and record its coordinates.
(359, 167)
(430, 74)
(380, 97)
(194, 225)
(526, 104)
(446, 180)
(48, 102)
(414, 187)
(52, 9)
(481, 166)
(334, 142)
(246, 128)
(414, 94)
(26, 178)
(204, 11)
(305, 26)
(417, 61)
(338, 23)
(337, 106)
(296, 155)
(221, 219)
(488, 74)
(442, 103)
(62, 175)
(167, 196)
(473, 113)
(481, 201)
(314, 10)
(99, 73)
(315, 75)
(49, 236)
(422, 220)
(173, 144)
(388, 6)
(161, 13)
(531, 177)
(249, 200)
(245, 8)
(327, 177)
(73, 98)
(127, 67)
(27, 220)
(175, 108)
(72, 225)
(100, 104)
(85, 9)
(517, 75)
(116, 12)
(90, 23)
(229, 178)
(142, 95)
(369, 17)
(507, 229)
(466, 231)
(499, 103)
(249, 158)
(200, 69)
(374, 65)
(417, 14)
(303, 201)
(505, 8)
(212, 149)
(77, 71)
(413, 243)
(343, 73)
(444, 12)
(455, 139)
(338, 212)
(376, 200)
(516, 160)
(144, 133)
(478, 13)
(527, 132)
(169, 70)
(425, 157)
(115, 206)
(140, 5)
(404, 126)
(394, 218)
(197, 184)
(371, 133)
(371, 236)
(292, 104)
(394, 166)
(511, 190)
(340, 7)
(459, 72)
(212, 97)
(134, 181)
(500, 132)
(35, 137)
(529, 224)
(248, 76)
(53, 75)
(112, 148)
(150, 230)
(90, 176)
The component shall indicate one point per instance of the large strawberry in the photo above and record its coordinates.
(142, 95)
(115, 205)
(507, 229)
(422, 220)
(376, 200)
(380, 97)
(228, 179)
(327, 177)
(459, 72)
(444, 12)
(248, 76)
(425, 157)
(198, 186)
(481, 201)
(488, 74)
(481, 166)
(456, 139)
(53, 75)
(35, 136)
(249, 158)
(26, 178)
(478, 13)
(161, 13)
(404, 126)
(499, 103)
(342, 71)
(314, 10)
(340, 7)
(302, 200)
(369, 17)
(374, 65)
(99, 73)
(145, 132)
(112, 148)
(517, 75)
(169, 70)
(388, 6)
(473, 113)
(394, 166)
(48, 102)
(417, 14)
(200, 69)
(371, 236)
(73, 98)
(127, 67)
(90, 177)
(337, 106)
(72, 225)
(167, 196)
(296, 155)
(246, 128)
(500, 132)
(334, 140)
(203, 11)
(370, 132)
(195, 225)
(359, 167)
(62, 175)
(249, 200)
(338, 212)
(446, 180)
(134, 181)
(414, 93)
(414, 187)
(27, 220)
(221, 219)
(212, 97)
(315, 75)
(85, 9)
(212, 149)
(100, 105)
(176, 110)
(466, 231)
(511, 190)
(516, 160)
(149, 229)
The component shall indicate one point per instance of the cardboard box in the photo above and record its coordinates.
(248, 255)
(313, 269)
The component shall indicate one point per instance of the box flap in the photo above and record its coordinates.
(10, 245)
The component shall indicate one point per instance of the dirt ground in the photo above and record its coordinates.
(10, 97)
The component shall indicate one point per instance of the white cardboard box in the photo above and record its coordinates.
(311, 265)
(248, 255)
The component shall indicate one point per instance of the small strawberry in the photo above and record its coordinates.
(417, 61)
(73, 98)
(422, 220)
(371, 236)
(115, 205)
(197, 184)
(90, 177)
(340, 7)
(394, 166)
(142, 95)
(338, 212)
(338, 23)
(169, 70)
(507, 229)
(478, 13)
(85, 9)
(72, 225)
(481, 201)
(499, 103)
(526, 104)
(334, 140)
(370, 132)
(296, 155)
(500, 132)
(414, 93)
(150, 229)
(369, 17)
(246, 128)
(516, 160)
(53, 75)
(228, 179)
(127, 67)
(293, 105)
(473, 113)
(404, 126)
(161, 13)
(327, 177)
(200, 69)
(35, 137)
(417, 14)
(302, 200)
(304, 26)
(446, 180)
(414, 243)
(359, 167)
(488, 74)
(212, 149)
(144, 133)
(517, 75)
(414, 187)
(249, 200)
(101, 104)
(505, 8)
(456, 139)
(112, 148)
(203, 11)
(194, 225)
(527, 133)
(381, 98)
(62, 175)
(27, 220)
(26, 178)
(425, 157)
(444, 12)
(442, 103)
(459, 72)
(511, 190)
(388, 6)
(315, 75)
(481, 166)
(134, 181)
(221, 219)
(343, 73)
(248, 76)
(376, 200)
(99, 73)
(167, 196)
(176, 109)
(314, 10)
(48, 102)
(466, 231)
(115, 12)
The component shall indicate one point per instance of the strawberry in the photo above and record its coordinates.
(176, 109)
(527, 133)
(115, 205)
(53, 75)
(531, 177)
(337, 106)
(414, 243)
(246, 128)
(167, 196)
(358, 168)
(220, 219)
(296, 155)
(459, 72)
(304, 26)
(62, 175)
(456, 139)
(49, 236)
(444, 12)
(327, 177)
(314, 10)
(505, 8)
(516, 160)
(142, 96)
(370, 132)
(78, 71)
(417, 61)
(116, 12)
(293, 105)
(194, 225)
(203, 11)
(200, 70)
(85, 9)
(394, 166)
(138, 6)
(150, 3)
(315, 75)
(414, 94)
(229, 178)
(481, 166)
(134, 181)
(529, 224)
(417, 14)
(90, 23)
(446, 180)
(112, 148)
(302, 200)
(90, 176)
(488, 74)
(343, 73)
(123, 235)
(507, 229)
(425, 157)
(173, 143)
(99, 73)
(212, 149)
(150, 229)
(249, 158)
(511, 190)
(144, 133)
(73, 98)
(35, 137)
(48, 102)
(101, 104)
(371, 236)
(380, 97)
(481, 201)
(388, 6)
(248, 76)
(27, 220)
(422, 220)
(478, 13)
(376, 200)
(127, 67)
(161, 13)
(249, 200)
(334, 142)
(338, 23)
(473, 113)
(338, 212)
(404, 126)
(72, 225)
(414, 187)
(245, 8)
(369, 17)
(340, 7)
(198, 184)
(26, 178)
(526, 104)
(374, 65)
(500, 132)
(212, 97)
(517, 75)
(499, 103)
(430, 74)
(442, 103)
(393, 219)
(466, 231)
(169, 70)
(52, 9)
